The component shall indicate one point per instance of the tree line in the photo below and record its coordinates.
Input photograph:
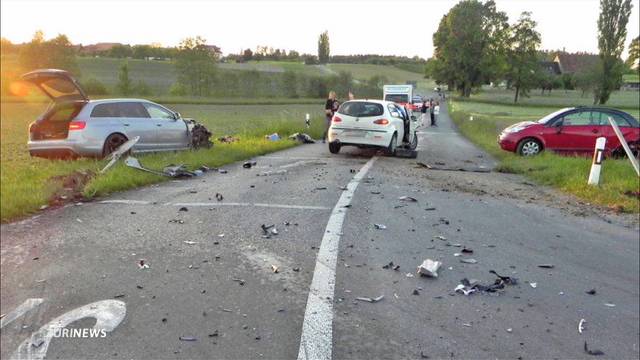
(475, 45)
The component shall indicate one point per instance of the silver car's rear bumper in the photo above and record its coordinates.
(75, 144)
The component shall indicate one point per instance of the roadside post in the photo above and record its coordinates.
(634, 161)
(596, 164)
(307, 120)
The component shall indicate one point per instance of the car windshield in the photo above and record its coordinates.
(361, 109)
(399, 98)
(549, 117)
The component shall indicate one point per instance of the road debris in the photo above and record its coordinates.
(249, 164)
(142, 264)
(592, 352)
(479, 169)
(533, 285)
(272, 137)
(117, 153)
(302, 138)
(416, 292)
(275, 269)
(388, 266)
(440, 237)
(189, 242)
(591, 292)
(176, 221)
(270, 173)
(380, 226)
(187, 338)
(219, 197)
(184, 208)
(239, 281)
(199, 135)
(470, 286)
(173, 171)
(466, 250)
(609, 305)
(546, 266)
(228, 139)
(469, 261)
(581, 326)
(429, 268)
(371, 300)
(407, 198)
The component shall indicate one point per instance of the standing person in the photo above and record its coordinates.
(423, 111)
(431, 112)
(436, 112)
(351, 96)
(330, 108)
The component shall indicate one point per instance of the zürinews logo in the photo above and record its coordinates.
(80, 333)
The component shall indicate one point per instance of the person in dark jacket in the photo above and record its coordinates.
(330, 108)
(431, 113)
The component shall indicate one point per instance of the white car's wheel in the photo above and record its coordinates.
(414, 141)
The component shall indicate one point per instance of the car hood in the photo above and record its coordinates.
(522, 124)
(59, 85)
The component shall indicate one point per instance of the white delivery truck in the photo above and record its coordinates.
(401, 94)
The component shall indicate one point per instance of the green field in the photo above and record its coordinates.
(568, 174)
(627, 100)
(26, 182)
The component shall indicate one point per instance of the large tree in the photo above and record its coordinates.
(612, 33)
(196, 65)
(522, 59)
(323, 48)
(470, 45)
(56, 53)
(634, 51)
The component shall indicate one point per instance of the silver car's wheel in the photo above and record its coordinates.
(529, 147)
(112, 143)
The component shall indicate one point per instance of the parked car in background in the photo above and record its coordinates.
(73, 125)
(416, 102)
(571, 131)
(370, 123)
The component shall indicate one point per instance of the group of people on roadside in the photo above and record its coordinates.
(433, 108)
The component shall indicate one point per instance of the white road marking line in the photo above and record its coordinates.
(25, 307)
(317, 328)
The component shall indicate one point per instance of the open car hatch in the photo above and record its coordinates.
(59, 85)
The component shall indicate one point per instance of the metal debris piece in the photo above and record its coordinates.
(591, 292)
(533, 285)
(239, 281)
(187, 338)
(429, 268)
(184, 208)
(189, 242)
(546, 266)
(142, 264)
(371, 300)
(396, 268)
(469, 261)
(581, 326)
(463, 289)
(219, 197)
(592, 352)
(409, 275)
(388, 266)
(269, 173)
(380, 226)
(457, 254)
(275, 269)
(176, 221)
(466, 251)
(407, 198)
(117, 153)
(609, 305)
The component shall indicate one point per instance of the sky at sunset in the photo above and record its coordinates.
(355, 27)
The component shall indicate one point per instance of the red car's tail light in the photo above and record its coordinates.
(77, 125)
(336, 119)
(381, 122)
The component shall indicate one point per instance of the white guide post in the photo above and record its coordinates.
(598, 156)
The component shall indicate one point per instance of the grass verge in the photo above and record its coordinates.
(568, 174)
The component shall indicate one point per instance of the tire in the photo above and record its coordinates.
(529, 147)
(414, 141)
(393, 144)
(112, 143)
(334, 147)
(619, 153)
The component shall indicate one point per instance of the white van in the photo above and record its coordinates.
(400, 94)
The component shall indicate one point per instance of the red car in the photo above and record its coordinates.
(571, 131)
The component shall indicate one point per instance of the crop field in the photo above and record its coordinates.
(566, 173)
(29, 180)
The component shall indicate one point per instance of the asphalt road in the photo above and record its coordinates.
(210, 278)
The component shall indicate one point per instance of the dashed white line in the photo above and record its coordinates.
(317, 327)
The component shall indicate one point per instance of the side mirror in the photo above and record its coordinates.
(177, 116)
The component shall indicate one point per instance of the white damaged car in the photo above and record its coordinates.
(372, 124)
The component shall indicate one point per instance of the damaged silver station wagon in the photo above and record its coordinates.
(73, 125)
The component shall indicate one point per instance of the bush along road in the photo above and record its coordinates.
(315, 256)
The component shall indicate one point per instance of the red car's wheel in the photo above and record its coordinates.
(529, 147)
